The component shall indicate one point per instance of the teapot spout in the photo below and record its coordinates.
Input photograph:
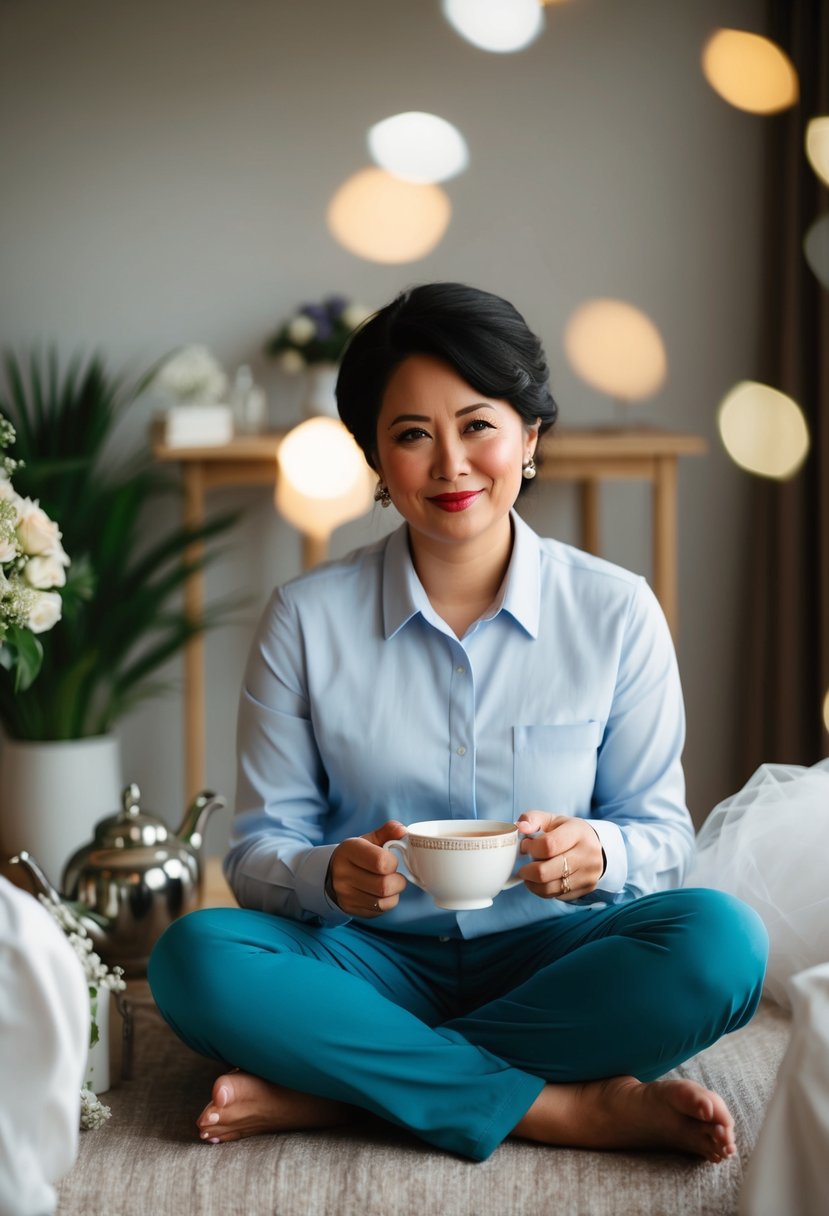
(41, 882)
(191, 831)
(97, 927)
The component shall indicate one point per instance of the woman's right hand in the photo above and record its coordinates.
(362, 875)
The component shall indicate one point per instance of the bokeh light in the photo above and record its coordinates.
(816, 249)
(763, 430)
(817, 147)
(379, 217)
(616, 348)
(749, 72)
(826, 710)
(496, 25)
(418, 147)
(323, 480)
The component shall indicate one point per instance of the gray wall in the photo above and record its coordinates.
(165, 174)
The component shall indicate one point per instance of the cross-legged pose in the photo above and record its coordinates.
(461, 667)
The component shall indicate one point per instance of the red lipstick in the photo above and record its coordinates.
(455, 502)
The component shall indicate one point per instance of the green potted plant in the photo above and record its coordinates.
(122, 615)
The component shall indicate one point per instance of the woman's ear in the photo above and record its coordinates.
(532, 436)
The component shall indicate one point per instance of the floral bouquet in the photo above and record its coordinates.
(192, 376)
(316, 333)
(101, 980)
(32, 565)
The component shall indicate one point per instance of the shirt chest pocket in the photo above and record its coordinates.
(554, 767)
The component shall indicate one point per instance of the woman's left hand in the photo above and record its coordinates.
(567, 860)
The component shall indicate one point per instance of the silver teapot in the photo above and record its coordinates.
(133, 879)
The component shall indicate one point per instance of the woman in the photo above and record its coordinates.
(461, 668)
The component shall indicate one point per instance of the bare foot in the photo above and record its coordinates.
(625, 1113)
(244, 1105)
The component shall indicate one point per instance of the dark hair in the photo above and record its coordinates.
(483, 337)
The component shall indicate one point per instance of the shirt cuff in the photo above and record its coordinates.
(310, 886)
(613, 842)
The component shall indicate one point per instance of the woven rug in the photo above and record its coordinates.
(148, 1161)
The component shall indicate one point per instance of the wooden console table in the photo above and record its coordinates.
(588, 457)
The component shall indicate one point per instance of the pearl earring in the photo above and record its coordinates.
(529, 470)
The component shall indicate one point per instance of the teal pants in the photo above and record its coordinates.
(451, 1039)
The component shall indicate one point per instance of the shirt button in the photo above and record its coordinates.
(461, 671)
(461, 750)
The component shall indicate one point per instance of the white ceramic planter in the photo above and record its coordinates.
(320, 394)
(53, 794)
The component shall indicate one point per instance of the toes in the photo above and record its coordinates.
(222, 1096)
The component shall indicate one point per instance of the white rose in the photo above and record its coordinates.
(36, 532)
(302, 329)
(45, 572)
(354, 315)
(291, 361)
(45, 611)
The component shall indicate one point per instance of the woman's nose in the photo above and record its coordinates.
(449, 459)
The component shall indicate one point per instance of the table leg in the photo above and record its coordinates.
(314, 551)
(665, 539)
(194, 682)
(590, 516)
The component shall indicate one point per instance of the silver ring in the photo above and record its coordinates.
(566, 871)
(565, 885)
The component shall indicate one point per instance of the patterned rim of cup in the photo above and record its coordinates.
(450, 844)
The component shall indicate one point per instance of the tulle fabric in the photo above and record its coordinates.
(769, 845)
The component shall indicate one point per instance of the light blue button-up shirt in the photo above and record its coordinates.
(360, 704)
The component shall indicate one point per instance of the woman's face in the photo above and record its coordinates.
(451, 458)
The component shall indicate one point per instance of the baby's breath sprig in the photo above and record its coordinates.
(98, 976)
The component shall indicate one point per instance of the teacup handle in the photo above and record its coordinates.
(399, 846)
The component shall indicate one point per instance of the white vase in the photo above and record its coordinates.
(53, 794)
(320, 390)
(96, 1075)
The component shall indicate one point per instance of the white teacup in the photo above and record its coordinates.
(462, 863)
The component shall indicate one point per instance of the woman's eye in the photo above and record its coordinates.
(479, 424)
(410, 435)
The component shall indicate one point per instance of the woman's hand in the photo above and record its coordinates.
(567, 860)
(362, 875)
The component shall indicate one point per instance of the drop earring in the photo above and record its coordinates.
(529, 470)
(381, 495)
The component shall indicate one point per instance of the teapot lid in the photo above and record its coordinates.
(131, 827)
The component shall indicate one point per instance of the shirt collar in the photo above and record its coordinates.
(404, 596)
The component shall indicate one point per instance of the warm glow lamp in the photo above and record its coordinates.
(817, 147)
(323, 481)
(749, 72)
(379, 217)
(418, 147)
(763, 430)
(496, 25)
(616, 348)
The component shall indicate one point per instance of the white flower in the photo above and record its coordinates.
(355, 314)
(193, 375)
(45, 572)
(9, 548)
(93, 1112)
(37, 533)
(8, 493)
(291, 361)
(302, 329)
(44, 611)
